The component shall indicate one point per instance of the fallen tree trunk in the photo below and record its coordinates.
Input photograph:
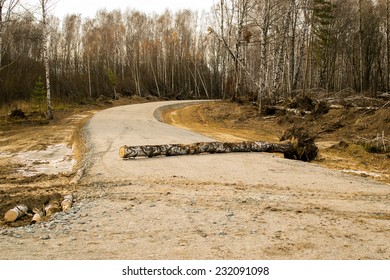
(290, 148)
(271, 110)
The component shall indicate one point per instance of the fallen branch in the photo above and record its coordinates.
(270, 110)
(338, 106)
(380, 144)
(289, 148)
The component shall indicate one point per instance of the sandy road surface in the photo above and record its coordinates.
(230, 206)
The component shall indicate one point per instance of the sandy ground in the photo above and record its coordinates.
(231, 206)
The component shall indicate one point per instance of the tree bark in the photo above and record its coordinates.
(360, 47)
(286, 147)
(45, 54)
(15, 213)
(52, 207)
(37, 218)
(388, 45)
(66, 204)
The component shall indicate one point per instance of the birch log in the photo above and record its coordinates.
(66, 204)
(286, 147)
(52, 207)
(15, 213)
(38, 214)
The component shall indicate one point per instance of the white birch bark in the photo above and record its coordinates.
(45, 46)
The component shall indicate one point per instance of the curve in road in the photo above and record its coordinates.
(108, 130)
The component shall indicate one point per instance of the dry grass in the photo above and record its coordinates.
(226, 121)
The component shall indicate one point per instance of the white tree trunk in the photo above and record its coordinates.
(46, 57)
(293, 149)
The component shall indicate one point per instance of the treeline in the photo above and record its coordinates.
(254, 49)
(115, 53)
(290, 47)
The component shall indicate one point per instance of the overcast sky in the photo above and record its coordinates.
(88, 8)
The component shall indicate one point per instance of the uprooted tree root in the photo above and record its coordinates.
(305, 148)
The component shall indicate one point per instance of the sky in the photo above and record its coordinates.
(88, 8)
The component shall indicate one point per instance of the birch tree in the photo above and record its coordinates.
(6, 8)
(46, 5)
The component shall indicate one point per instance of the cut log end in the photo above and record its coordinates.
(37, 218)
(66, 204)
(122, 151)
(11, 216)
(15, 213)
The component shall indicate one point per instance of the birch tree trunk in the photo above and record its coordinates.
(5, 17)
(155, 78)
(264, 53)
(294, 149)
(16, 213)
(89, 77)
(45, 43)
(298, 74)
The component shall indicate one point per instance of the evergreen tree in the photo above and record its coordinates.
(324, 38)
(38, 95)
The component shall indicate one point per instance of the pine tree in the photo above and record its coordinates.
(323, 18)
(38, 95)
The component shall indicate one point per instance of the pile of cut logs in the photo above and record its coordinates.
(37, 214)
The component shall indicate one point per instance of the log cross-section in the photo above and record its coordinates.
(16, 213)
(286, 147)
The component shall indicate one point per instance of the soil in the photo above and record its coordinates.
(227, 221)
(56, 150)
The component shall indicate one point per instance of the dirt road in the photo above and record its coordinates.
(229, 206)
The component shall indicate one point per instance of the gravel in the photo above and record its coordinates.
(61, 223)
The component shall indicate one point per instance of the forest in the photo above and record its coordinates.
(240, 49)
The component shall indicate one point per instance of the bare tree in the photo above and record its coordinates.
(45, 6)
(360, 47)
(6, 8)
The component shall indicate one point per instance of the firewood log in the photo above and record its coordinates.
(17, 212)
(52, 207)
(38, 214)
(66, 204)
